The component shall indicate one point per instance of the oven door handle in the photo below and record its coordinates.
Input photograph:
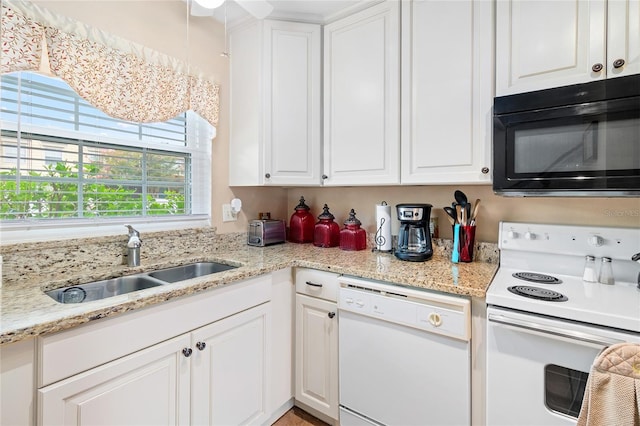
(556, 331)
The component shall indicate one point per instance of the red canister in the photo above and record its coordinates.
(352, 237)
(327, 232)
(301, 225)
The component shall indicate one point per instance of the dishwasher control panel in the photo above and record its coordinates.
(436, 313)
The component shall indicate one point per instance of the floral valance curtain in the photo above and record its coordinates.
(123, 79)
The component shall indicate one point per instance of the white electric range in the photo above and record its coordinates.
(546, 324)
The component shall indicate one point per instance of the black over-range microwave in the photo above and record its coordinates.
(578, 140)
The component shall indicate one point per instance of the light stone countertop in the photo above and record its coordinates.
(25, 311)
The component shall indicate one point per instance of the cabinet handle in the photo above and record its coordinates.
(597, 67)
(187, 352)
(325, 177)
(267, 175)
(618, 63)
(331, 314)
(201, 345)
(312, 284)
(485, 170)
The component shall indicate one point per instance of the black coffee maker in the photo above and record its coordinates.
(414, 239)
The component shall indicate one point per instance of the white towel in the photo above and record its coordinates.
(612, 396)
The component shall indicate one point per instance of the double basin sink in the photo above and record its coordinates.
(121, 285)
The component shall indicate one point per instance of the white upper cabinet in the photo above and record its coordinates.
(623, 37)
(543, 44)
(362, 97)
(447, 91)
(275, 104)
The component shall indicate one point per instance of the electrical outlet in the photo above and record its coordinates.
(227, 214)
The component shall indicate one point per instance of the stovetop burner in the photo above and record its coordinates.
(538, 293)
(535, 277)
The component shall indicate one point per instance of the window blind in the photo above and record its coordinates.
(63, 158)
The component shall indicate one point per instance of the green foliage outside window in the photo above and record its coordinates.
(54, 194)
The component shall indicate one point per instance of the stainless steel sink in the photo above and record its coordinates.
(102, 289)
(193, 270)
(107, 288)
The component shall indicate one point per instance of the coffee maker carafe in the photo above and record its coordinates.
(414, 239)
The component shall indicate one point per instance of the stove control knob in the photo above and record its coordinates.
(596, 240)
(529, 236)
(512, 235)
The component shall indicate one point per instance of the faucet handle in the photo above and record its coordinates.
(636, 257)
(133, 232)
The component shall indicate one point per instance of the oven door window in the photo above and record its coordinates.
(564, 389)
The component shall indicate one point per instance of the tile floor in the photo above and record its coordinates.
(297, 417)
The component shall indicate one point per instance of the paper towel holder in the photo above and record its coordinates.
(379, 239)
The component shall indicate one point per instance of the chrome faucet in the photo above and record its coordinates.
(133, 247)
(636, 258)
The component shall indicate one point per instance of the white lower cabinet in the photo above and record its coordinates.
(316, 347)
(216, 375)
(229, 374)
(148, 387)
(221, 369)
(317, 354)
(17, 383)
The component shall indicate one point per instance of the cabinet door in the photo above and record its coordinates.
(17, 379)
(317, 354)
(275, 72)
(542, 44)
(447, 91)
(245, 106)
(292, 103)
(623, 37)
(362, 97)
(149, 387)
(282, 317)
(229, 374)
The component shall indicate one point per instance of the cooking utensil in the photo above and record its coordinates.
(458, 213)
(461, 197)
(451, 212)
(474, 212)
(452, 221)
(455, 254)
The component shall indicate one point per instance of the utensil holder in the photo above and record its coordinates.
(467, 242)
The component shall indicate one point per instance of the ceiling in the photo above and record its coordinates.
(317, 11)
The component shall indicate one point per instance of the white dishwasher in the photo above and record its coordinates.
(404, 356)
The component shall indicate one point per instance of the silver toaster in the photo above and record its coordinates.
(266, 232)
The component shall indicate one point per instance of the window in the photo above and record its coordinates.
(78, 163)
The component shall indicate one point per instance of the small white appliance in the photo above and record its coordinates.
(546, 325)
